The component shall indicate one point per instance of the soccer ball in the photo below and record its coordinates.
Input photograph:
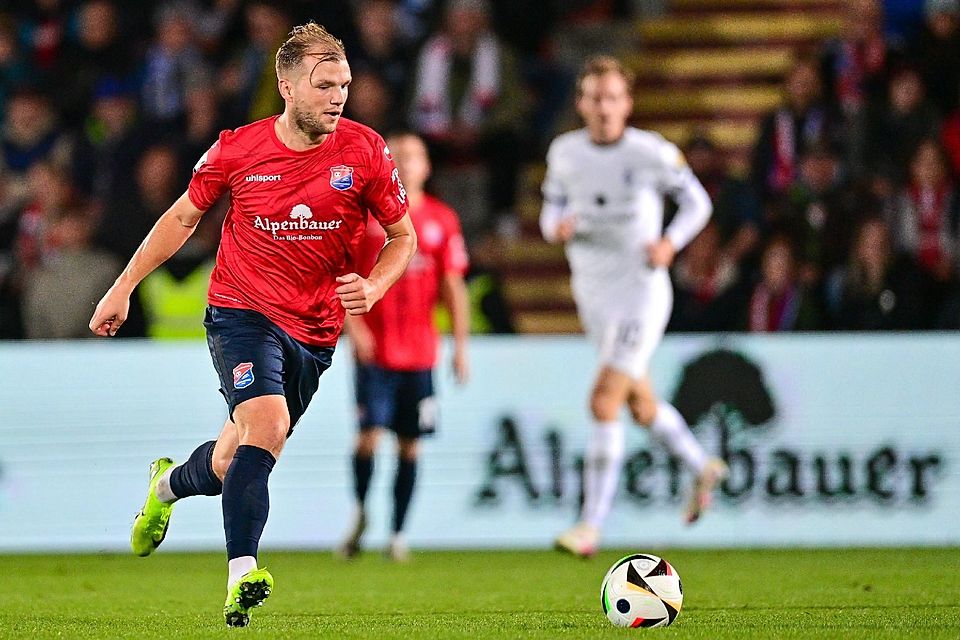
(641, 590)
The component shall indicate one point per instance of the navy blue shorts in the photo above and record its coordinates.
(254, 357)
(401, 401)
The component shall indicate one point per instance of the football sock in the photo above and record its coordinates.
(362, 472)
(238, 567)
(601, 471)
(195, 477)
(403, 491)
(246, 501)
(670, 429)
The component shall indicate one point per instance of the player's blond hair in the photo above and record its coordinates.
(308, 39)
(601, 66)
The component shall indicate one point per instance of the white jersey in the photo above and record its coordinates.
(615, 193)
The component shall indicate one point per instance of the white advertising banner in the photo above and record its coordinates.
(832, 440)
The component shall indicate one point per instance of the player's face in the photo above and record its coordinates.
(605, 105)
(413, 162)
(318, 95)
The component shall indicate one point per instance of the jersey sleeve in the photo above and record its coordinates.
(384, 195)
(554, 186)
(209, 180)
(453, 256)
(672, 169)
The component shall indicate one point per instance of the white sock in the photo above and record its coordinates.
(671, 430)
(164, 492)
(238, 567)
(601, 471)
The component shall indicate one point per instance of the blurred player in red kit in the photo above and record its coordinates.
(396, 343)
(303, 186)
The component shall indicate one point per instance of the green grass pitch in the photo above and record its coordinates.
(878, 593)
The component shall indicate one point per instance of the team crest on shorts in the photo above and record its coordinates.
(243, 375)
(341, 177)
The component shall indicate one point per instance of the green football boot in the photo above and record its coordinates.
(150, 525)
(248, 592)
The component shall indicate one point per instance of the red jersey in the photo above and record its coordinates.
(402, 322)
(295, 221)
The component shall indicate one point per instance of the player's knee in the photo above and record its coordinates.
(643, 410)
(603, 406)
(221, 462)
(408, 449)
(367, 442)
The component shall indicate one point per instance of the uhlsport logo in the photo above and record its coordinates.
(301, 219)
(243, 375)
(257, 177)
(341, 177)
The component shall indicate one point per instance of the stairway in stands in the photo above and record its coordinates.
(709, 65)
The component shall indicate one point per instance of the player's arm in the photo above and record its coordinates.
(359, 294)
(693, 212)
(453, 292)
(557, 223)
(167, 236)
(361, 338)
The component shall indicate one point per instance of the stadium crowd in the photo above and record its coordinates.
(849, 217)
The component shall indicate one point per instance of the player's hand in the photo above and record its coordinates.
(566, 229)
(111, 312)
(357, 295)
(461, 366)
(661, 253)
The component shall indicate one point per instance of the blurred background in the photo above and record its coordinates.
(827, 133)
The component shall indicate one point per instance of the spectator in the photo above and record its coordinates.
(204, 122)
(370, 102)
(876, 289)
(173, 62)
(925, 217)
(14, 69)
(896, 126)
(380, 50)
(705, 280)
(107, 147)
(57, 295)
(250, 80)
(128, 219)
(937, 53)
(785, 134)
(856, 64)
(466, 104)
(779, 301)
(43, 30)
(820, 211)
(736, 210)
(97, 53)
(30, 133)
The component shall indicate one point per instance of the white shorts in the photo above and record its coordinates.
(628, 329)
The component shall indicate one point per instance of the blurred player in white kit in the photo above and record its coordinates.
(603, 198)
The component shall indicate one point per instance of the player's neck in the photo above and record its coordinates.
(604, 139)
(293, 137)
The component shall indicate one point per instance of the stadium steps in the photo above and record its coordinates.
(725, 64)
(548, 292)
(547, 322)
(739, 28)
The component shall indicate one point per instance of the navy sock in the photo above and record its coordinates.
(362, 472)
(195, 477)
(246, 501)
(403, 491)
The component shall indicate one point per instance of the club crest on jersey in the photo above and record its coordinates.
(243, 375)
(341, 177)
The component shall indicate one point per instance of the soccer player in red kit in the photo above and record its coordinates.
(302, 186)
(396, 343)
